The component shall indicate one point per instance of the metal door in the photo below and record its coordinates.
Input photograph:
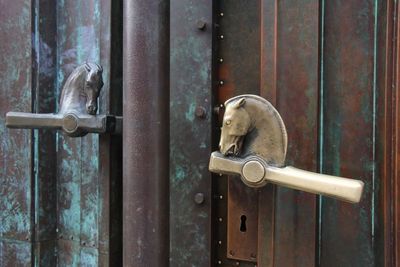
(326, 67)
(59, 197)
(329, 67)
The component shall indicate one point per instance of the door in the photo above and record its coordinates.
(327, 68)
(147, 198)
(59, 197)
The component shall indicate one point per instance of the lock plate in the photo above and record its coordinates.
(242, 221)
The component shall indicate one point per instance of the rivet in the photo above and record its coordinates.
(201, 25)
(72, 238)
(221, 14)
(219, 242)
(219, 262)
(221, 60)
(221, 197)
(199, 198)
(220, 219)
(200, 112)
(231, 252)
(237, 263)
(221, 37)
(221, 82)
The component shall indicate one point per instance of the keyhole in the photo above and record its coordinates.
(243, 219)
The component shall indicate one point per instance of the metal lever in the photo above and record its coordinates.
(78, 107)
(255, 172)
(253, 145)
(72, 124)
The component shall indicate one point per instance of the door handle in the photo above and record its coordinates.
(253, 145)
(78, 107)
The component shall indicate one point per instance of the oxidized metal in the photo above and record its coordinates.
(78, 106)
(254, 130)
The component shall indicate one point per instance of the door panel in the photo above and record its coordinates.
(349, 130)
(15, 151)
(190, 132)
(61, 214)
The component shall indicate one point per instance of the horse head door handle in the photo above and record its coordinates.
(78, 107)
(253, 145)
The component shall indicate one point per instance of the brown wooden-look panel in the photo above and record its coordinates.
(387, 110)
(347, 234)
(294, 63)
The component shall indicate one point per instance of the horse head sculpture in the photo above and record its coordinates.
(252, 126)
(82, 89)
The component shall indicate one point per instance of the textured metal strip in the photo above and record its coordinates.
(190, 132)
(146, 133)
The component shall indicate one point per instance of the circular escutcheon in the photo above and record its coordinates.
(253, 172)
(70, 123)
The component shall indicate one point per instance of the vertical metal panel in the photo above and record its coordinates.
(146, 133)
(190, 135)
(387, 135)
(238, 43)
(43, 82)
(297, 83)
(15, 146)
(349, 130)
(77, 158)
(110, 146)
(84, 188)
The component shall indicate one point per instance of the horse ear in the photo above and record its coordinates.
(87, 67)
(240, 102)
(100, 68)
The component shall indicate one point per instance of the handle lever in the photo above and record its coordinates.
(255, 172)
(71, 123)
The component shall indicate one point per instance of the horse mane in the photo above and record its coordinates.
(69, 80)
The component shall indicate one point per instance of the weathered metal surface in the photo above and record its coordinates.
(83, 190)
(297, 90)
(110, 157)
(237, 61)
(387, 235)
(16, 221)
(146, 133)
(190, 132)
(348, 232)
(44, 79)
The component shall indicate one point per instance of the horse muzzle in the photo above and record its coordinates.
(231, 145)
(91, 109)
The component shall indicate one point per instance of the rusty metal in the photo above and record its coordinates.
(145, 133)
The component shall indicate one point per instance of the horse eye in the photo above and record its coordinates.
(228, 122)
